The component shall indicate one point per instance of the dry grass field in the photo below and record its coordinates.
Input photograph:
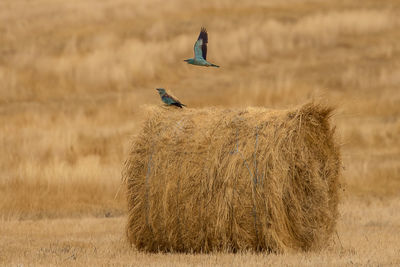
(75, 76)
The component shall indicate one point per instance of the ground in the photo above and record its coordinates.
(76, 76)
(368, 234)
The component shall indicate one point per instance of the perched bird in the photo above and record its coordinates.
(167, 99)
(200, 51)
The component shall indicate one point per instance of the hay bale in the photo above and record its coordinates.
(202, 180)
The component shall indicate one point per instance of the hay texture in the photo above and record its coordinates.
(202, 180)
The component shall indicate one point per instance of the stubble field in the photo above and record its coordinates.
(75, 77)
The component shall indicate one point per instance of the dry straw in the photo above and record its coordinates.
(202, 180)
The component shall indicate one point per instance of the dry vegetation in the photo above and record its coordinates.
(75, 74)
(207, 180)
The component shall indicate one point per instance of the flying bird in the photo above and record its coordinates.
(200, 51)
(167, 99)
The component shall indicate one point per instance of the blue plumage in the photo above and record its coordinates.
(200, 51)
(167, 99)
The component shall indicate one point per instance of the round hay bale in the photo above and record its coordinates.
(202, 180)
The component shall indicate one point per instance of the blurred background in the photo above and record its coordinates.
(75, 77)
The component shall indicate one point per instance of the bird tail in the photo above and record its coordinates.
(178, 105)
(213, 65)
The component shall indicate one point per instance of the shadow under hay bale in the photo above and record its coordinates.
(202, 180)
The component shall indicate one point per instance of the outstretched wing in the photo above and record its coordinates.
(200, 47)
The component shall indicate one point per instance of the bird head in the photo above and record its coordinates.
(161, 91)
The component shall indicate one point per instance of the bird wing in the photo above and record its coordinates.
(200, 47)
(173, 99)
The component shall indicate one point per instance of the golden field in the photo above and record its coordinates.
(75, 77)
